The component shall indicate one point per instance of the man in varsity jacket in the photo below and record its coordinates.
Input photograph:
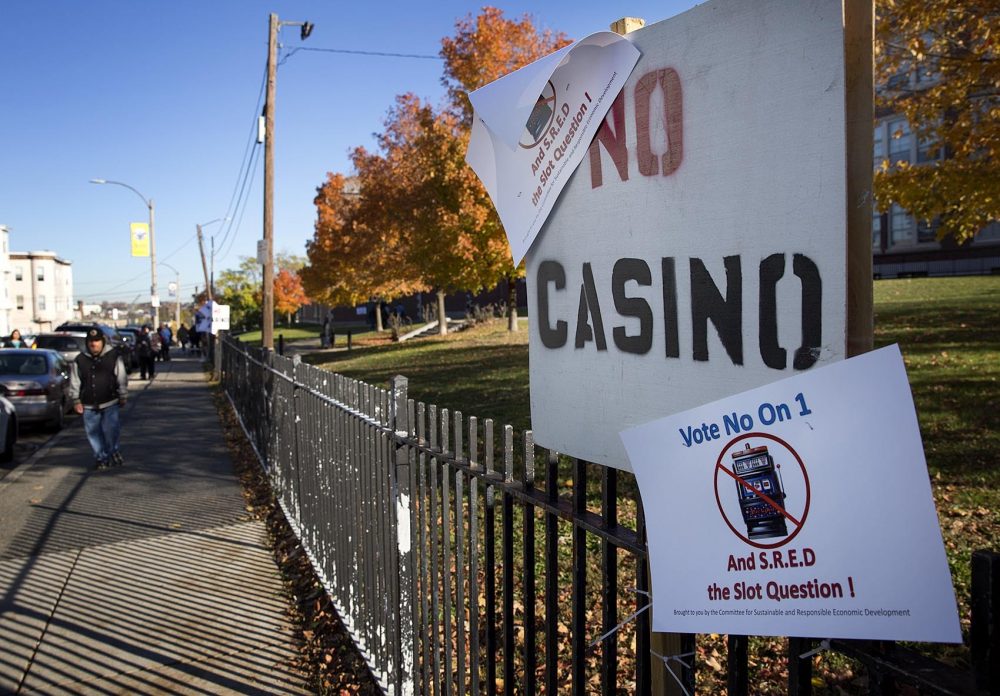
(99, 388)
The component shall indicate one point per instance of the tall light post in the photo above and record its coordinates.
(178, 294)
(154, 298)
(267, 320)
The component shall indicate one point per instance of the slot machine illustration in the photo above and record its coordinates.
(756, 467)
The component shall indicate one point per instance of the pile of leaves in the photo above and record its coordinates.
(327, 657)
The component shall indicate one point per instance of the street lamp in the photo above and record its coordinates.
(178, 292)
(154, 299)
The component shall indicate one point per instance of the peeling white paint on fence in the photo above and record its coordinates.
(403, 523)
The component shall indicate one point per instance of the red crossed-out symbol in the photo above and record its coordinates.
(767, 500)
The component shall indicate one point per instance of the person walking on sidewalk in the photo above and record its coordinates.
(182, 337)
(98, 385)
(166, 338)
(144, 347)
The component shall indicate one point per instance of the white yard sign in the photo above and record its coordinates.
(220, 318)
(806, 510)
(700, 248)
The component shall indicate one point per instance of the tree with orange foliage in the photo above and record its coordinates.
(416, 216)
(436, 205)
(356, 253)
(288, 293)
(484, 49)
(487, 47)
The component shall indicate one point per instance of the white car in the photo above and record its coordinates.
(8, 429)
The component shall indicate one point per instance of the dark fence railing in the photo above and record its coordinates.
(463, 565)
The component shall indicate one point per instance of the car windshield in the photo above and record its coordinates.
(20, 364)
(61, 343)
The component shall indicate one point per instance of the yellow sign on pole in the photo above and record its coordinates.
(140, 238)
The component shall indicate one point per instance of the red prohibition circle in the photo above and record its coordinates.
(805, 477)
(553, 101)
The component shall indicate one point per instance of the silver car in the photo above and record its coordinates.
(36, 382)
(68, 344)
(8, 429)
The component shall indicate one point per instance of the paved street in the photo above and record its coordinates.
(144, 579)
(30, 439)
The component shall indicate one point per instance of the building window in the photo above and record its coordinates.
(20, 301)
(927, 231)
(928, 150)
(876, 230)
(990, 233)
(879, 143)
(18, 273)
(900, 226)
(41, 272)
(41, 303)
(900, 141)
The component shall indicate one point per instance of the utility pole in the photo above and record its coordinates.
(267, 315)
(267, 320)
(204, 266)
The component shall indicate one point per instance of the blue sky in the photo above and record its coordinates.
(163, 95)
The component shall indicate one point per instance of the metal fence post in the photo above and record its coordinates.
(985, 631)
(406, 659)
(217, 356)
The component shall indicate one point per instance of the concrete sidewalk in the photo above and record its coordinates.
(146, 578)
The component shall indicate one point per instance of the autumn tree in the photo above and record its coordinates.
(484, 49)
(289, 295)
(357, 253)
(416, 217)
(438, 207)
(938, 64)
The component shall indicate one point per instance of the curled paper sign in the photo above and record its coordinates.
(531, 128)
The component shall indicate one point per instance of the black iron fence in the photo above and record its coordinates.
(463, 562)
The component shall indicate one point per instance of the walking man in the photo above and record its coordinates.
(144, 347)
(98, 385)
(166, 338)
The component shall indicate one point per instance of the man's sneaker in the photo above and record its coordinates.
(116, 459)
(101, 464)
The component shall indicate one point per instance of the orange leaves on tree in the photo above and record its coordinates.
(289, 295)
(414, 216)
(486, 48)
(354, 254)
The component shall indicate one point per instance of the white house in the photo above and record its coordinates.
(39, 290)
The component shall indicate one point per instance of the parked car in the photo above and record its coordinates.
(36, 382)
(111, 335)
(131, 337)
(8, 428)
(68, 344)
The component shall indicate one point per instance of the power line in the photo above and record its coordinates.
(238, 200)
(133, 278)
(245, 161)
(239, 221)
(383, 54)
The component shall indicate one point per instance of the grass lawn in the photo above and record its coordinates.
(295, 332)
(482, 371)
(949, 333)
